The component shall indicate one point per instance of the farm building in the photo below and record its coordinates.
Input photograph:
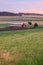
(17, 25)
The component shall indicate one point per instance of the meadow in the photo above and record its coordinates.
(21, 18)
(7, 20)
(21, 47)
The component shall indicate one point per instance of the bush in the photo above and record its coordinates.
(29, 23)
(35, 25)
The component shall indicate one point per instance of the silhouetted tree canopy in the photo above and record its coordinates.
(35, 25)
(30, 23)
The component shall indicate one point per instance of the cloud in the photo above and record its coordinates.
(22, 6)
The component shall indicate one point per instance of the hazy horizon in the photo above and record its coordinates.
(19, 6)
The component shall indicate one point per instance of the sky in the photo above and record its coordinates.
(26, 6)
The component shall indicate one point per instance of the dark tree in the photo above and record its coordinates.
(29, 23)
(35, 25)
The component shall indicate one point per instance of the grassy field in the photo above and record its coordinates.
(21, 18)
(4, 25)
(23, 47)
(6, 20)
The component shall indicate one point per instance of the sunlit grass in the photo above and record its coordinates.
(23, 47)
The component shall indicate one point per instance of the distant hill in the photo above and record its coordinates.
(31, 14)
(9, 14)
(18, 14)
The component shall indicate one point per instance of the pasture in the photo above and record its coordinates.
(21, 18)
(7, 20)
(21, 47)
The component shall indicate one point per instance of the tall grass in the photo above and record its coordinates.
(23, 47)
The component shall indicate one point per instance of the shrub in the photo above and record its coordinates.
(29, 23)
(35, 25)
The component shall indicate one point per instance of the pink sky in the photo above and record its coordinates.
(29, 6)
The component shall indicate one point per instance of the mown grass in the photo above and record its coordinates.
(23, 47)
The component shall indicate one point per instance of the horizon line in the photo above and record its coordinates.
(22, 12)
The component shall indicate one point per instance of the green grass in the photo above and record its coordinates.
(23, 47)
(4, 25)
